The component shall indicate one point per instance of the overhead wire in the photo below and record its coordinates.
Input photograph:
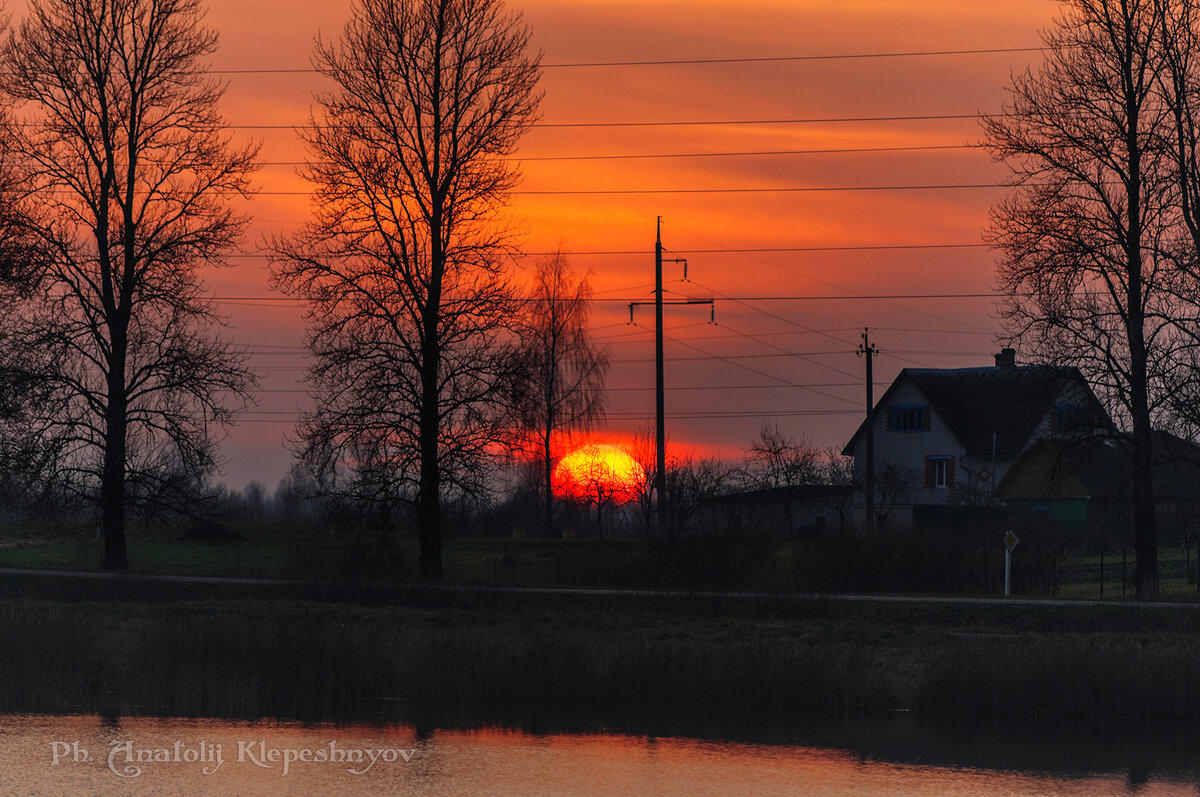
(889, 300)
(736, 154)
(745, 367)
(259, 301)
(695, 61)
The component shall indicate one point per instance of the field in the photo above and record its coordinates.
(895, 565)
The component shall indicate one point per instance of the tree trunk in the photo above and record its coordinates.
(429, 510)
(1145, 527)
(112, 479)
(548, 485)
(429, 504)
(1145, 521)
(429, 507)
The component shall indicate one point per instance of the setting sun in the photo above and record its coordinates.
(598, 472)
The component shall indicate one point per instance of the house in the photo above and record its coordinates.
(793, 510)
(947, 437)
(1084, 487)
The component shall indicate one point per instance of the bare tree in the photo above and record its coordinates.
(690, 481)
(596, 481)
(1087, 231)
(777, 459)
(124, 155)
(402, 264)
(643, 449)
(1180, 88)
(559, 387)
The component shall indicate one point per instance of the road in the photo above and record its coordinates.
(433, 588)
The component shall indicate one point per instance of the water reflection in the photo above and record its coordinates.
(1069, 748)
(546, 752)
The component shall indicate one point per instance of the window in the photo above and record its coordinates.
(939, 472)
(907, 419)
(1070, 418)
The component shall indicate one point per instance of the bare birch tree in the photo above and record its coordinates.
(402, 266)
(119, 137)
(559, 385)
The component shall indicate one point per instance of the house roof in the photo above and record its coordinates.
(975, 402)
(1102, 467)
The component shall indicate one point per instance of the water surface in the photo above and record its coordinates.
(866, 756)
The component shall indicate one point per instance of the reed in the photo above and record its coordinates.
(254, 659)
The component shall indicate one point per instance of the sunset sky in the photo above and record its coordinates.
(776, 353)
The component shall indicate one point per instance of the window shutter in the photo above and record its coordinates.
(888, 414)
(928, 472)
(950, 473)
(925, 413)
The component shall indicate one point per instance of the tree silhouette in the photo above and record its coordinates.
(559, 386)
(129, 171)
(777, 459)
(402, 264)
(1087, 232)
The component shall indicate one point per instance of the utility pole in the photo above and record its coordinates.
(870, 351)
(660, 388)
(660, 399)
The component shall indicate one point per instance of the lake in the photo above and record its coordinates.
(548, 754)
(552, 755)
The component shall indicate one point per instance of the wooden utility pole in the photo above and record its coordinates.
(870, 352)
(660, 398)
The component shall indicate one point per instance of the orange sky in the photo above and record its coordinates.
(714, 406)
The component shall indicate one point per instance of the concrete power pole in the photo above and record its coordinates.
(660, 413)
(870, 352)
(660, 390)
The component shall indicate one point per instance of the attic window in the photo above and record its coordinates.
(1070, 418)
(907, 418)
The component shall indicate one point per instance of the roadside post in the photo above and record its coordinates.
(1010, 542)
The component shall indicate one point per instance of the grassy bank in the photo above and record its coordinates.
(891, 563)
(255, 659)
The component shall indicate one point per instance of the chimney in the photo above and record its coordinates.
(1006, 360)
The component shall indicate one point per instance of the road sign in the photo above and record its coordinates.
(1010, 540)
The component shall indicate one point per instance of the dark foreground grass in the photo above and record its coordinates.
(252, 659)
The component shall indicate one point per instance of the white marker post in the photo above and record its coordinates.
(1010, 542)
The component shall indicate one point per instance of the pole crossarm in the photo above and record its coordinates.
(647, 303)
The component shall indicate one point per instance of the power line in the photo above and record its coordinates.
(780, 351)
(786, 58)
(759, 190)
(725, 250)
(669, 388)
(625, 339)
(637, 416)
(793, 121)
(734, 190)
(833, 285)
(792, 298)
(690, 61)
(744, 367)
(731, 154)
(685, 122)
